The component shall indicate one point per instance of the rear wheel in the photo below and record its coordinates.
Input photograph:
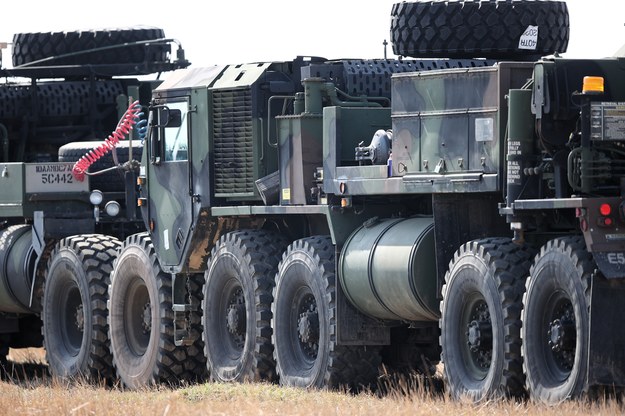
(556, 321)
(479, 29)
(75, 330)
(304, 323)
(481, 319)
(141, 319)
(237, 305)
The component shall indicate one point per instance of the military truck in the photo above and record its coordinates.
(61, 97)
(311, 221)
(318, 219)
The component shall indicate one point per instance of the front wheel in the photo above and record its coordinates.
(304, 323)
(480, 319)
(141, 319)
(556, 321)
(75, 308)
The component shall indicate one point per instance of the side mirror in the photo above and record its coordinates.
(161, 117)
(166, 117)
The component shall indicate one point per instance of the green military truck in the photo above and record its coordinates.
(317, 219)
(60, 98)
(310, 221)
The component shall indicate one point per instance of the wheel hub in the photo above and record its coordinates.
(79, 318)
(562, 335)
(479, 335)
(146, 318)
(236, 319)
(308, 326)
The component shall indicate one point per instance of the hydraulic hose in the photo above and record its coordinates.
(126, 123)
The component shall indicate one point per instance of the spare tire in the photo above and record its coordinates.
(503, 29)
(32, 47)
(111, 181)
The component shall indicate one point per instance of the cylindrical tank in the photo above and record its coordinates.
(17, 264)
(387, 269)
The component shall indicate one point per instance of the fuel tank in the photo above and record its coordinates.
(387, 269)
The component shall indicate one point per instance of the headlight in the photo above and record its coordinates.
(112, 208)
(96, 197)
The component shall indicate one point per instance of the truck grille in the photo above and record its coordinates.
(233, 142)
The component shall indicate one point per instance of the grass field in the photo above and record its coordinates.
(28, 390)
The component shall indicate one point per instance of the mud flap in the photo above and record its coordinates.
(606, 345)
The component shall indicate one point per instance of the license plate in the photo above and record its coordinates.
(53, 177)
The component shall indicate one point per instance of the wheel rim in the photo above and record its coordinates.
(137, 316)
(559, 336)
(72, 319)
(233, 319)
(476, 342)
(305, 323)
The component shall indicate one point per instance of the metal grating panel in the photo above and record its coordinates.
(233, 142)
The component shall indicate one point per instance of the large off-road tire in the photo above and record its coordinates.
(141, 320)
(304, 323)
(75, 329)
(195, 364)
(481, 319)
(110, 181)
(32, 47)
(478, 29)
(556, 321)
(237, 305)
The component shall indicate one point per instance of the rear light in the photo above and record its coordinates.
(605, 219)
(605, 222)
(605, 209)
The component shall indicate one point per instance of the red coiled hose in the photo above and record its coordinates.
(126, 123)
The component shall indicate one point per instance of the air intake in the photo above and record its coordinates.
(233, 142)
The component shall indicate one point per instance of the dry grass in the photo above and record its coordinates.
(22, 394)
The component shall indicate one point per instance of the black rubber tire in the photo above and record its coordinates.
(112, 181)
(483, 290)
(237, 305)
(31, 47)
(77, 281)
(141, 321)
(478, 29)
(5, 341)
(306, 288)
(195, 364)
(15, 283)
(558, 286)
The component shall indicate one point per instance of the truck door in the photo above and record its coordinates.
(170, 206)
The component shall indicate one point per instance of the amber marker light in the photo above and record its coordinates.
(592, 85)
